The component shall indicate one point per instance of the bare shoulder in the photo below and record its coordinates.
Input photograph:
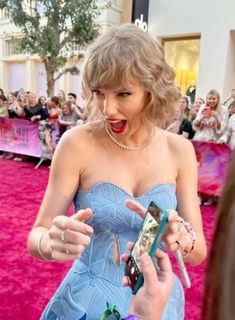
(76, 139)
(179, 146)
(74, 147)
(82, 132)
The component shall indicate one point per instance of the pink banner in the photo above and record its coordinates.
(19, 136)
(213, 159)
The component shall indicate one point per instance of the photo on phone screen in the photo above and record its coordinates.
(145, 238)
(152, 228)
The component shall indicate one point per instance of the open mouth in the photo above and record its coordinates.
(117, 126)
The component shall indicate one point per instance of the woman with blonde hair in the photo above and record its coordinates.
(121, 153)
(211, 119)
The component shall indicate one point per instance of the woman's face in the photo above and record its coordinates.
(66, 110)
(43, 101)
(178, 113)
(144, 241)
(32, 100)
(10, 98)
(51, 104)
(183, 103)
(231, 109)
(121, 107)
(212, 101)
(197, 104)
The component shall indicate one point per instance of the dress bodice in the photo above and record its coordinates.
(112, 220)
(107, 202)
(96, 277)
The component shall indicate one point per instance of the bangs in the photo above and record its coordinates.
(110, 77)
(110, 64)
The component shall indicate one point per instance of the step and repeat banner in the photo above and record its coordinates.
(20, 136)
(213, 159)
(37, 139)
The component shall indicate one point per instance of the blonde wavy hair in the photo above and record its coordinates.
(125, 54)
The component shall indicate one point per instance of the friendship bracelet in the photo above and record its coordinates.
(40, 250)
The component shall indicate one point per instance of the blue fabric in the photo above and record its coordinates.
(95, 278)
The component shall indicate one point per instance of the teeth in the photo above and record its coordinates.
(115, 121)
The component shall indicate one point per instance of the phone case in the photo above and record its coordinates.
(159, 233)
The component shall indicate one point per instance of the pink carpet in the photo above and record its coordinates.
(26, 284)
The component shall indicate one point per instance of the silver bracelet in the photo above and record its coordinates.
(39, 248)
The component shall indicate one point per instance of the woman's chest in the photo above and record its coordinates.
(134, 173)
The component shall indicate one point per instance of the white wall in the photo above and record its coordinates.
(40, 75)
(229, 82)
(16, 76)
(212, 20)
(75, 85)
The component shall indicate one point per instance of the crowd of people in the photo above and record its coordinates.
(206, 120)
(60, 110)
(129, 153)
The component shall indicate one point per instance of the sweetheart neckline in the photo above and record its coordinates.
(157, 185)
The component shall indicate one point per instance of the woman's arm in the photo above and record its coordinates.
(46, 240)
(188, 207)
(198, 122)
(79, 113)
(221, 120)
(186, 224)
(66, 123)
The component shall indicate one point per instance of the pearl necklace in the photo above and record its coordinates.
(123, 146)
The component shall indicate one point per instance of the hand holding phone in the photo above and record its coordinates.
(150, 300)
(150, 235)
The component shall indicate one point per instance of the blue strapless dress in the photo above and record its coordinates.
(95, 278)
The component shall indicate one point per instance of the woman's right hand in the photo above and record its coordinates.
(151, 298)
(68, 236)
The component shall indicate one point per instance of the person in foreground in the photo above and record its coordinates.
(218, 295)
(120, 153)
(151, 298)
(220, 274)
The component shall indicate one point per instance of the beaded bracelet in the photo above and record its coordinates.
(39, 248)
(192, 233)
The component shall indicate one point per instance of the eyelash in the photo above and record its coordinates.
(120, 94)
(124, 94)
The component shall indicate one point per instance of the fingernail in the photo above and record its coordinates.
(89, 229)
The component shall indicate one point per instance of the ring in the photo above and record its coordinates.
(66, 247)
(177, 243)
(59, 223)
(62, 237)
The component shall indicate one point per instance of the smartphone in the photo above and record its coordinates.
(207, 111)
(151, 232)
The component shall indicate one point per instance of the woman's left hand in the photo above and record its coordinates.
(176, 236)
